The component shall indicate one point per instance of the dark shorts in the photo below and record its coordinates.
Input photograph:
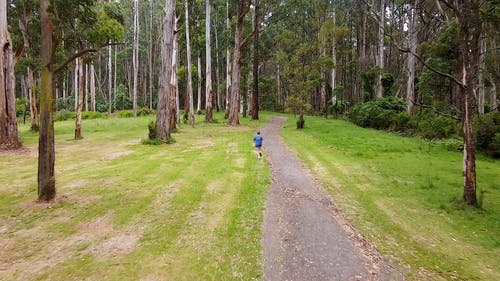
(258, 146)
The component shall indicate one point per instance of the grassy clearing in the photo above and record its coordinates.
(187, 211)
(404, 194)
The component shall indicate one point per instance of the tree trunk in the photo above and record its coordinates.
(466, 60)
(32, 99)
(173, 82)
(233, 119)
(135, 59)
(254, 106)
(228, 62)
(493, 95)
(46, 149)
(115, 68)
(166, 87)
(110, 80)
(208, 85)
(92, 87)
(217, 72)
(150, 55)
(480, 76)
(380, 57)
(189, 67)
(75, 84)
(334, 59)
(86, 87)
(9, 138)
(198, 106)
(79, 108)
(410, 83)
(176, 69)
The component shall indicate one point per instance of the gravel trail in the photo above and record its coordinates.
(305, 236)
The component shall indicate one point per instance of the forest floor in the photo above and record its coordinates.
(305, 235)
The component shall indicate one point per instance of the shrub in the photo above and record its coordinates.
(436, 127)
(64, 114)
(91, 115)
(152, 130)
(145, 111)
(379, 114)
(125, 113)
(486, 130)
(22, 106)
(122, 101)
(402, 122)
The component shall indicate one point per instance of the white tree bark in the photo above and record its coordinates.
(217, 74)
(86, 87)
(334, 59)
(198, 107)
(92, 87)
(9, 138)
(189, 67)
(480, 76)
(410, 83)
(110, 79)
(174, 75)
(380, 58)
(75, 83)
(150, 55)
(208, 65)
(135, 59)
(228, 57)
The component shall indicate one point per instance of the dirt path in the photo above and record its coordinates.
(305, 236)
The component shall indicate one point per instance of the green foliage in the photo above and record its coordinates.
(64, 114)
(91, 115)
(143, 111)
(22, 106)
(387, 82)
(436, 127)
(122, 100)
(125, 113)
(390, 114)
(379, 114)
(65, 104)
(487, 133)
(369, 79)
(152, 130)
(297, 105)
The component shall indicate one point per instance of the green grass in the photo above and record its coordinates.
(404, 195)
(191, 210)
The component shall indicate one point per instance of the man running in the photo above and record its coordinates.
(257, 140)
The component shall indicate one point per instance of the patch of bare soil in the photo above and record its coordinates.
(305, 235)
(30, 151)
(98, 237)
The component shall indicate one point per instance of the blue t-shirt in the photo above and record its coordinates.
(258, 140)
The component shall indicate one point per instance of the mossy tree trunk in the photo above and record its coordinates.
(46, 150)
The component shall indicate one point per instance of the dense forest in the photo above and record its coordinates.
(422, 67)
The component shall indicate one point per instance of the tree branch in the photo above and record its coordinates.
(406, 50)
(437, 111)
(19, 53)
(80, 54)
